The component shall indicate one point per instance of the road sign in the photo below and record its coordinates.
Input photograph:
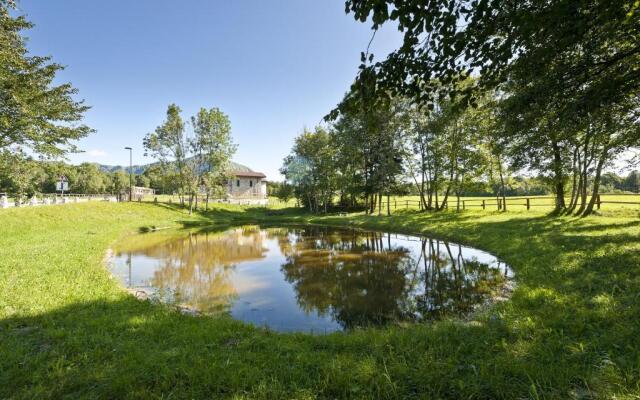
(62, 184)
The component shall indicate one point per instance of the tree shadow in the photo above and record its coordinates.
(570, 327)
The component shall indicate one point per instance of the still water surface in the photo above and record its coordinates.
(311, 278)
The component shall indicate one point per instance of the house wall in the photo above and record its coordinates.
(249, 187)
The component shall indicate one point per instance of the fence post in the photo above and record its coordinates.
(598, 201)
(407, 205)
(463, 205)
(528, 204)
(395, 204)
(483, 205)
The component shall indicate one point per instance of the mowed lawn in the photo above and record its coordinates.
(570, 330)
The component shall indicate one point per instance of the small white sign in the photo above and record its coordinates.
(62, 183)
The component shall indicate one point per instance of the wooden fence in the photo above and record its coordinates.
(500, 204)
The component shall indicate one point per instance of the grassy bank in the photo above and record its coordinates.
(569, 331)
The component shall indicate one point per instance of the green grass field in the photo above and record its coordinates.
(570, 330)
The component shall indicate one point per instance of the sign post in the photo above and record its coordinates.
(62, 184)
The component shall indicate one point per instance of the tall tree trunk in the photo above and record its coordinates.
(422, 197)
(420, 187)
(576, 197)
(388, 204)
(435, 194)
(596, 183)
(372, 205)
(584, 173)
(504, 198)
(326, 202)
(444, 199)
(558, 184)
(452, 179)
(582, 196)
(575, 172)
(430, 185)
(366, 203)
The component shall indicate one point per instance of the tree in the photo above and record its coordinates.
(170, 146)
(580, 54)
(34, 114)
(632, 182)
(446, 155)
(163, 180)
(615, 130)
(558, 70)
(369, 133)
(119, 182)
(142, 180)
(282, 190)
(213, 148)
(20, 174)
(89, 179)
(310, 168)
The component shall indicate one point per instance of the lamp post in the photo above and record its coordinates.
(130, 172)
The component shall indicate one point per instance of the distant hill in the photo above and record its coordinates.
(139, 169)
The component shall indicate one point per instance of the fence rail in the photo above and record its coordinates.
(622, 199)
(500, 204)
(7, 201)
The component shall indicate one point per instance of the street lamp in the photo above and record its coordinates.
(130, 172)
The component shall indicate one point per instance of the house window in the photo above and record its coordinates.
(238, 182)
(250, 183)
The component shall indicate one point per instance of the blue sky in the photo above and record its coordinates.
(272, 66)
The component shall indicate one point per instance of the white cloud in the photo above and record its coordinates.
(96, 153)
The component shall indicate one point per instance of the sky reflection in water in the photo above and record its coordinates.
(311, 279)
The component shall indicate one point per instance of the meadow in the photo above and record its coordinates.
(570, 329)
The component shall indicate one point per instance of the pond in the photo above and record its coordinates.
(310, 278)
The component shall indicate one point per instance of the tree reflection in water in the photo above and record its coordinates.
(451, 283)
(348, 274)
(196, 270)
(318, 276)
(361, 279)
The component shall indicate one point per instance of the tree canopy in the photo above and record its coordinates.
(573, 55)
(482, 89)
(35, 114)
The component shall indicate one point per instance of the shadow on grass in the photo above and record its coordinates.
(569, 331)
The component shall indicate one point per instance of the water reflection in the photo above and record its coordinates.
(312, 278)
(195, 271)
